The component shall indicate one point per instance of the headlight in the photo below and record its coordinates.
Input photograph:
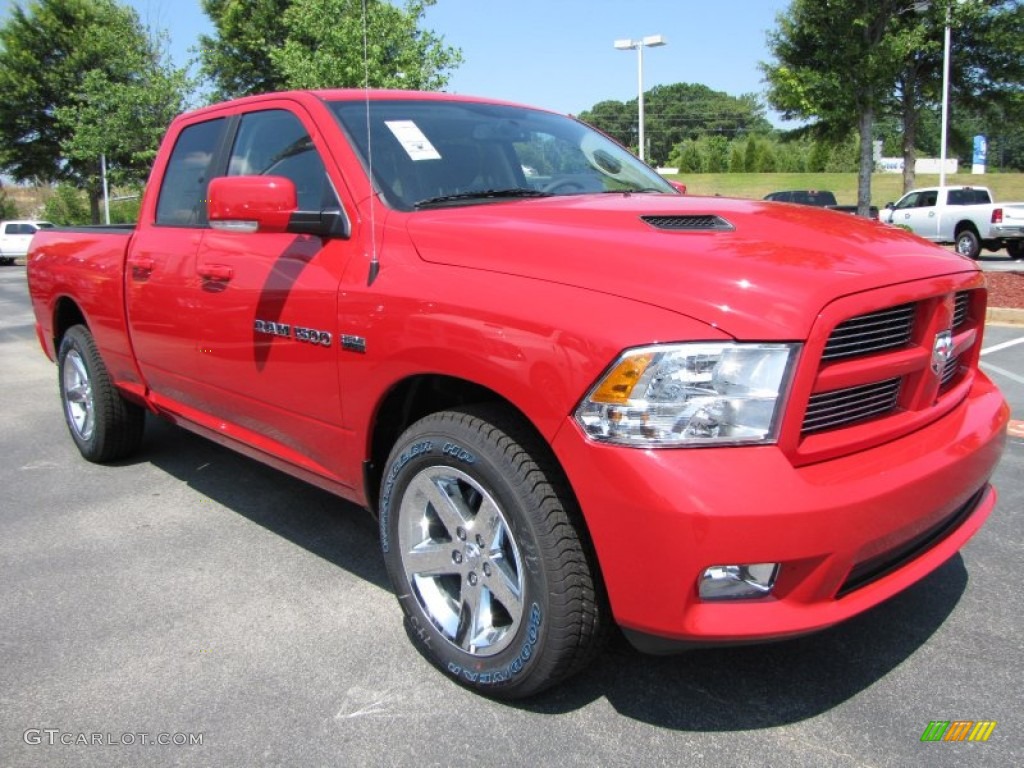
(690, 394)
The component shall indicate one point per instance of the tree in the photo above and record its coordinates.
(674, 113)
(837, 62)
(8, 208)
(81, 79)
(66, 207)
(986, 72)
(268, 45)
(237, 58)
(615, 118)
(325, 46)
(987, 69)
(122, 119)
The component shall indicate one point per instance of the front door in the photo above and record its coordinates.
(269, 308)
(919, 212)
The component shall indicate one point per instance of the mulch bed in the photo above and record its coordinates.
(1005, 289)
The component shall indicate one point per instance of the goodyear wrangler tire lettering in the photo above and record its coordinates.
(487, 553)
(389, 481)
(514, 668)
(458, 452)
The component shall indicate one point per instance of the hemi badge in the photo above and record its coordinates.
(353, 343)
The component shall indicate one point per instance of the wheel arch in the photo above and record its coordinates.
(66, 314)
(966, 224)
(408, 401)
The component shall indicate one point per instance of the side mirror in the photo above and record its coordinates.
(680, 187)
(251, 203)
(269, 204)
(890, 205)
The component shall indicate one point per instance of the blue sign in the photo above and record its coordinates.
(980, 150)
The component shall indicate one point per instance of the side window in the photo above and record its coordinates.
(183, 191)
(910, 201)
(275, 143)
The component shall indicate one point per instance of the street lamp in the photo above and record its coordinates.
(651, 41)
(921, 6)
(945, 100)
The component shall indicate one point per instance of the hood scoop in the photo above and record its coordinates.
(690, 223)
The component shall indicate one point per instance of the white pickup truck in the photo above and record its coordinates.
(15, 237)
(965, 216)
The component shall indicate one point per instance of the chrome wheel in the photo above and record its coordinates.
(967, 244)
(102, 423)
(461, 560)
(483, 542)
(78, 399)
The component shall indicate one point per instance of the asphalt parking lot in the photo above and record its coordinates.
(195, 597)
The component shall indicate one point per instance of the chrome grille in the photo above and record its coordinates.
(870, 333)
(963, 304)
(949, 371)
(840, 407)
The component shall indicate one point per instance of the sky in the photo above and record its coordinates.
(558, 54)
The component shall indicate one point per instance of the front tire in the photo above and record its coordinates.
(104, 425)
(968, 244)
(486, 550)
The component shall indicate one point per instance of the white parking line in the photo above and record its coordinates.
(1004, 345)
(1003, 372)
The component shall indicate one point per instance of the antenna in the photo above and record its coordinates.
(374, 257)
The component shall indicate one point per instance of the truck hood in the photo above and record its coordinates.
(764, 274)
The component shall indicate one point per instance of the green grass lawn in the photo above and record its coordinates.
(885, 187)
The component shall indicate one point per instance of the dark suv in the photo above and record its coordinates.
(803, 197)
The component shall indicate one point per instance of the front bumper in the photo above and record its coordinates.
(850, 532)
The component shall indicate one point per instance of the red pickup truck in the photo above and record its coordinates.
(570, 394)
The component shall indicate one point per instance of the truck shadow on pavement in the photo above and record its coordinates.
(762, 686)
(724, 689)
(320, 522)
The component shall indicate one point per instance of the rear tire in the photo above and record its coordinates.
(968, 244)
(1015, 248)
(486, 550)
(104, 425)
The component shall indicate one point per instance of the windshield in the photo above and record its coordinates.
(444, 153)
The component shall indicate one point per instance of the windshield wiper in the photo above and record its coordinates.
(483, 194)
(636, 191)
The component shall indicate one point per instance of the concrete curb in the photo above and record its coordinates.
(1004, 316)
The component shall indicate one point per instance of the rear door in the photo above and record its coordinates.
(161, 286)
(268, 303)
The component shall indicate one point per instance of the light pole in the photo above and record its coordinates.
(921, 6)
(945, 100)
(651, 41)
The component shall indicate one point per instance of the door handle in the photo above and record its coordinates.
(218, 272)
(141, 266)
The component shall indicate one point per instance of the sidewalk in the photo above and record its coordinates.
(1004, 316)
